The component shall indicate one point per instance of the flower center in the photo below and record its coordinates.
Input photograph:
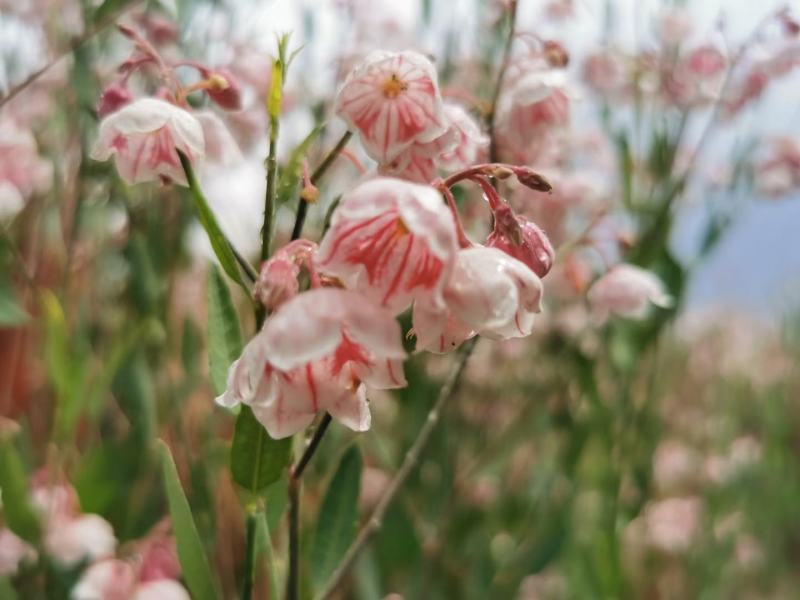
(401, 228)
(393, 86)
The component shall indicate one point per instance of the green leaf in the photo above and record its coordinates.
(196, 571)
(224, 334)
(338, 517)
(256, 459)
(19, 515)
(7, 591)
(219, 242)
(11, 312)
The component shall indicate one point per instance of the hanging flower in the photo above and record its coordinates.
(628, 291)
(315, 353)
(392, 100)
(470, 141)
(392, 240)
(142, 137)
(489, 293)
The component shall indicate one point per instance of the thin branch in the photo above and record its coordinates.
(74, 45)
(302, 208)
(293, 577)
(410, 461)
(498, 86)
(311, 447)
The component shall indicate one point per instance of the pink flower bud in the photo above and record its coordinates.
(114, 97)
(534, 248)
(223, 90)
(277, 281)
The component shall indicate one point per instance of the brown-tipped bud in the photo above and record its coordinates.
(128, 32)
(223, 90)
(530, 178)
(309, 193)
(499, 172)
(555, 54)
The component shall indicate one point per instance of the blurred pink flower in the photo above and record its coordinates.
(115, 579)
(392, 100)
(277, 280)
(470, 144)
(69, 536)
(142, 137)
(672, 524)
(673, 25)
(112, 98)
(489, 293)
(604, 72)
(312, 355)
(13, 552)
(22, 171)
(628, 291)
(392, 240)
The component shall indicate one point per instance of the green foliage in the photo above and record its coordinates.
(224, 333)
(338, 516)
(12, 313)
(19, 514)
(257, 460)
(194, 564)
(219, 243)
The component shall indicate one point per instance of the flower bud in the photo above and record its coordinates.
(555, 54)
(532, 248)
(277, 282)
(223, 90)
(530, 178)
(114, 97)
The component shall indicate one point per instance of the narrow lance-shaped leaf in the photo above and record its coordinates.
(338, 517)
(219, 242)
(19, 514)
(264, 547)
(224, 333)
(194, 564)
(256, 459)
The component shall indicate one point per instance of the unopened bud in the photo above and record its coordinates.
(530, 178)
(223, 90)
(534, 248)
(499, 172)
(309, 193)
(555, 54)
(114, 97)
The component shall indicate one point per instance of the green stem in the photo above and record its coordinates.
(302, 208)
(250, 554)
(269, 199)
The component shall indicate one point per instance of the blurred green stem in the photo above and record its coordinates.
(491, 117)
(250, 553)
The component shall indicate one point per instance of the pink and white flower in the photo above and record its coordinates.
(278, 278)
(13, 552)
(22, 171)
(315, 353)
(392, 100)
(391, 240)
(489, 293)
(628, 291)
(115, 579)
(470, 143)
(142, 137)
(69, 535)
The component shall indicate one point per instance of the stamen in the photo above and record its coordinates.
(393, 86)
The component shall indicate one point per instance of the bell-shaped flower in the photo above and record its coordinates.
(142, 137)
(392, 100)
(627, 291)
(316, 353)
(489, 293)
(470, 144)
(391, 240)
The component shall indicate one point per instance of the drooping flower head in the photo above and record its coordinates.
(534, 248)
(142, 137)
(392, 100)
(391, 240)
(315, 353)
(628, 291)
(489, 293)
